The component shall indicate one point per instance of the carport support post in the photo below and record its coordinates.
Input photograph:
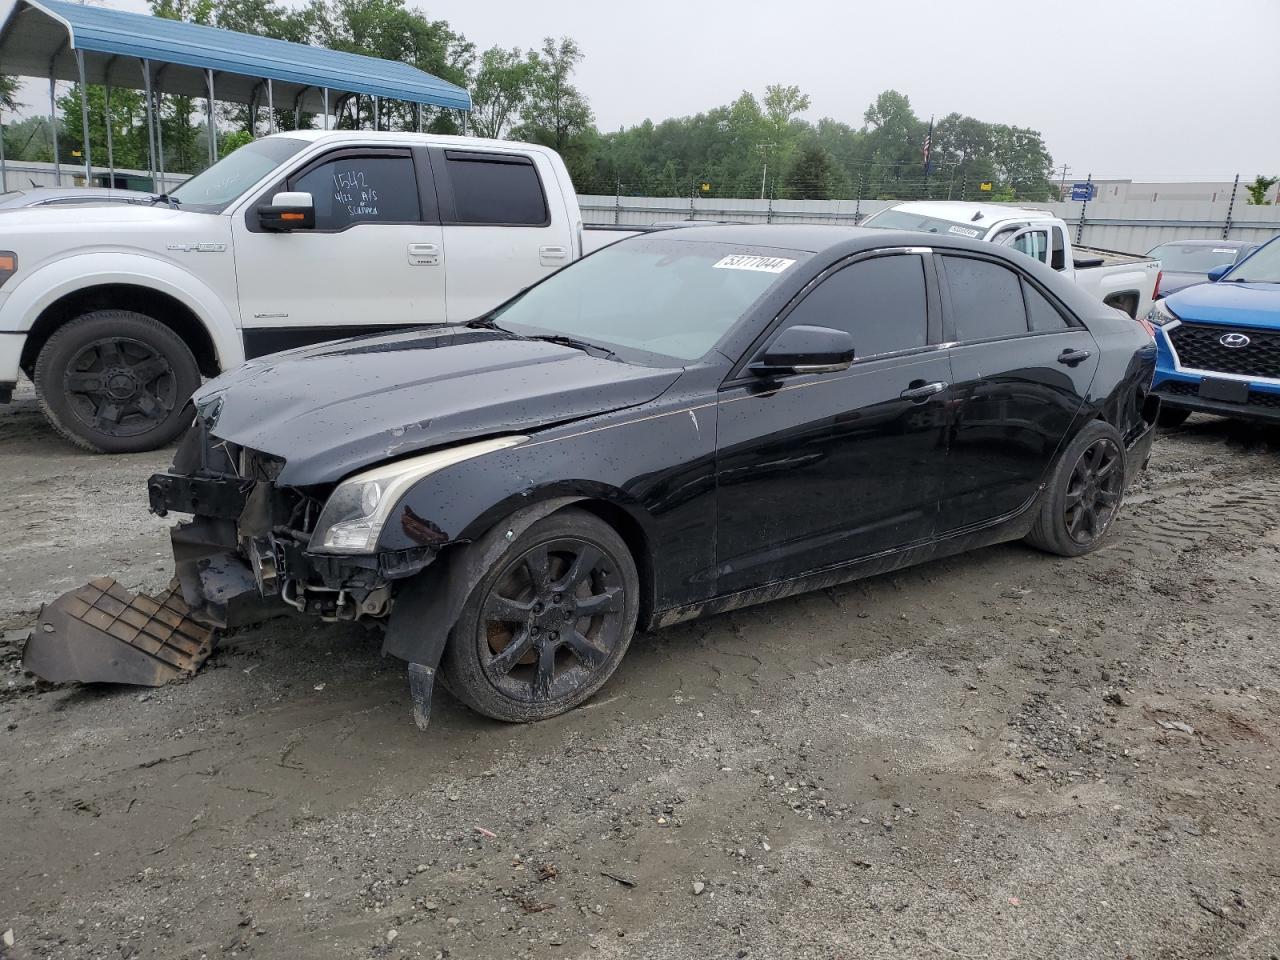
(326, 108)
(213, 123)
(271, 108)
(106, 117)
(4, 167)
(151, 126)
(419, 121)
(84, 119)
(376, 111)
(53, 125)
(160, 133)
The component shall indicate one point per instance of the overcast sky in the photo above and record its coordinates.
(1180, 89)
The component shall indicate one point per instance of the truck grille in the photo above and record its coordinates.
(1200, 347)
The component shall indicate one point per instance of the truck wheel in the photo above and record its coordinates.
(115, 381)
(1083, 495)
(548, 624)
(1172, 416)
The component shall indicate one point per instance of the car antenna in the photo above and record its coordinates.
(976, 217)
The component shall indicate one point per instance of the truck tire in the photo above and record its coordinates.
(116, 381)
(1083, 495)
(548, 623)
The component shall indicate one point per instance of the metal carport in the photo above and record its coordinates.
(59, 40)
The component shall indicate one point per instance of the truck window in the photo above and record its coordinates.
(986, 299)
(1034, 243)
(352, 189)
(495, 189)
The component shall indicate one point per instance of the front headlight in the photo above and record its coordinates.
(1160, 314)
(353, 517)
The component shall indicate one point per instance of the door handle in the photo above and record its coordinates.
(424, 254)
(552, 254)
(1073, 358)
(919, 391)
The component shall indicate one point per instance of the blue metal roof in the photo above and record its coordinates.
(28, 48)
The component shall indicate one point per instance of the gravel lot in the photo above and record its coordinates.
(999, 755)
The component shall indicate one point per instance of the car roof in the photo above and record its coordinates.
(964, 211)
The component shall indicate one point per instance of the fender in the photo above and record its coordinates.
(53, 281)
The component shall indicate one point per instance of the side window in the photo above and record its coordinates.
(495, 190)
(1042, 314)
(1034, 243)
(881, 303)
(986, 299)
(353, 189)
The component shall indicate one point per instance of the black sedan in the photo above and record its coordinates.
(680, 424)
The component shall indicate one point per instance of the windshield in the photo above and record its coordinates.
(1262, 267)
(1193, 257)
(673, 298)
(213, 190)
(903, 220)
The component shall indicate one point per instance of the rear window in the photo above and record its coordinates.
(1193, 258)
(902, 220)
(496, 189)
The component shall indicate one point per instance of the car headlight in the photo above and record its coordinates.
(1160, 314)
(353, 516)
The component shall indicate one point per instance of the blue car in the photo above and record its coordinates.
(1218, 343)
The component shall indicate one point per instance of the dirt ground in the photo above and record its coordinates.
(999, 755)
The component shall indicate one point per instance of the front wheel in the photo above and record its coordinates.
(549, 622)
(1083, 495)
(115, 381)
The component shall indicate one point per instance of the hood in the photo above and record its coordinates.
(88, 214)
(1243, 304)
(331, 409)
(1171, 281)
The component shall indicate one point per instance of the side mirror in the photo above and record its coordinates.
(288, 211)
(1217, 273)
(804, 349)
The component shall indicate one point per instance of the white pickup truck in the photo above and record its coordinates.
(1121, 280)
(115, 312)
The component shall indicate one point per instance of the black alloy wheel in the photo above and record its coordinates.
(120, 387)
(116, 381)
(548, 624)
(1094, 491)
(1082, 494)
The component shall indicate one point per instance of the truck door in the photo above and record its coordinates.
(502, 230)
(374, 261)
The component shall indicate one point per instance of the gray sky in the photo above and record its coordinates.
(1179, 89)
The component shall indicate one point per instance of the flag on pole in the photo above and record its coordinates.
(928, 144)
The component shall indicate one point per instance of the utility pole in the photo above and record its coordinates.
(764, 149)
(1062, 187)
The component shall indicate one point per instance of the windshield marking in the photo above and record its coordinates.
(742, 261)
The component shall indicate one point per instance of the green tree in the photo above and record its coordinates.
(1258, 189)
(500, 90)
(9, 93)
(813, 175)
(556, 110)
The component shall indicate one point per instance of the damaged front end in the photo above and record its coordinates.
(246, 553)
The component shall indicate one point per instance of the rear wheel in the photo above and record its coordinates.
(1172, 416)
(115, 381)
(1084, 493)
(548, 624)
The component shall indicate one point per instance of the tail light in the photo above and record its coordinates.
(1147, 326)
(1156, 292)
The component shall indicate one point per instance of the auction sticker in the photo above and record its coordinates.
(965, 231)
(741, 261)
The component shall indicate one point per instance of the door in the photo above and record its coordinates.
(820, 469)
(1021, 370)
(500, 229)
(374, 260)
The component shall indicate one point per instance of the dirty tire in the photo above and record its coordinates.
(548, 624)
(1084, 493)
(1172, 416)
(116, 381)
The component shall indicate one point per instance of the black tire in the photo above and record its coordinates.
(1084, 493)
(116, 381)
(518, 652)
(1172, 417)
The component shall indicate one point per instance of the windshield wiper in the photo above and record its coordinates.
(166, 198)
(583, 345)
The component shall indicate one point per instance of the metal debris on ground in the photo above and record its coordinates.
(101, 633)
